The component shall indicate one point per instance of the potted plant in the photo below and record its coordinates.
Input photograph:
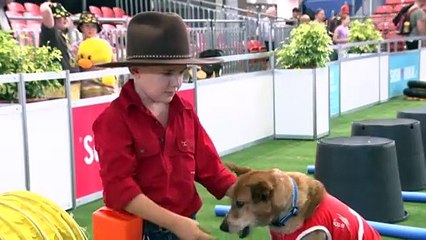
(361, 32)
(301, 84)
(15, 58)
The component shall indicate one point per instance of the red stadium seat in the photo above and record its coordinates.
(107, 12)
(32, 7)
(384, 9)
(15, 7)
(118, 12)
(96, 11)
(398, 8)
(390, 2)
(378, 18)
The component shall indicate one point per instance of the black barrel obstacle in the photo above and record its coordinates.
(409, 147)
(417, 114)
(363, 173)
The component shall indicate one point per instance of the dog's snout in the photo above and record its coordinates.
(224, 226)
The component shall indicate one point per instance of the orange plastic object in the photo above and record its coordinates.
(112, 225)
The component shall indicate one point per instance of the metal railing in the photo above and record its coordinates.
(380, 46)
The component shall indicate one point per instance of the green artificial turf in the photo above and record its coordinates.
(288, 155)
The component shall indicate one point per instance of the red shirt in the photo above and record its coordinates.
(138, 155)
(338, 220)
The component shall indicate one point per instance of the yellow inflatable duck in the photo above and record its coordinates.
(91, 52)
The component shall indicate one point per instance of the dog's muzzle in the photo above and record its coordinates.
(242, 234)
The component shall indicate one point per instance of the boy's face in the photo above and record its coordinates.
(160, 83)
(89, 30)
(296, 14)
(61, 23)
(321, 15)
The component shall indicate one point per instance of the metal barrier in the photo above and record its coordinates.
(51, 142)
(48, 145)
(254, 27)
(382, 46)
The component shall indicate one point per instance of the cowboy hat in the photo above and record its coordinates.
(155, 38)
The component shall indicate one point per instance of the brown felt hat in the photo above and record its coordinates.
(155, 38)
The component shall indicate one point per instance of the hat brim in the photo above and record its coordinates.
(142, 62)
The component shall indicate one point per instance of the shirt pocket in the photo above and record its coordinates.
(149, 164)
(185, 156)
(147, 149)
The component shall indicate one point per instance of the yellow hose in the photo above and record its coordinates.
(26, 215)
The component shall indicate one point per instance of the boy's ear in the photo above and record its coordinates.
(237, 169)
(133, 70)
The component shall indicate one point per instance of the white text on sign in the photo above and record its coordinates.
(92, 154)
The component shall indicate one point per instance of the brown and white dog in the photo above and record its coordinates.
(293, 205)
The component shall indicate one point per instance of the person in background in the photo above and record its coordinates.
(304, 19)
(89, 26)
(54, 31)
(320, 16)
(294, 20)
(345, 9)
(417, 23)
(265, 31)
(4, 20)
(151, 145)
(341, 33)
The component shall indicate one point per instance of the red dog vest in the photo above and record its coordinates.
(337, 220)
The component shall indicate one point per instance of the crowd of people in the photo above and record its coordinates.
(338, 23)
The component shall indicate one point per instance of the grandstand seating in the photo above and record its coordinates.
(383, 17)
(16, 7)
(96, 11)
(119, 12)
(28, 9)
(107, 12)
(32, 8)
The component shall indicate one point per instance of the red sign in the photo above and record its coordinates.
(85, 155)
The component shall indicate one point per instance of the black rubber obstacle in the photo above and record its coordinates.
(363, 173)
(409, 147)
(420, 115)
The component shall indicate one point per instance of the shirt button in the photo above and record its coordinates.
(142, 150)
(161, 139)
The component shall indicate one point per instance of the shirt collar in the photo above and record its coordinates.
(129, 98)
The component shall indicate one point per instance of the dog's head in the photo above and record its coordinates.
(258, 199)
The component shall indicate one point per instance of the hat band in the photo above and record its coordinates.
(133, 57)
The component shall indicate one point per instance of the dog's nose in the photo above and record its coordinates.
(224, 226)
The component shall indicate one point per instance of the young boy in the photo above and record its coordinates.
(152, 147)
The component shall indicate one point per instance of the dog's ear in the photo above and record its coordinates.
(237, 169)
(261, 191)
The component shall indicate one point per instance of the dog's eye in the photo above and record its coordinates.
(239, 204)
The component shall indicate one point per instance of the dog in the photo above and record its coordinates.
(293, 205)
